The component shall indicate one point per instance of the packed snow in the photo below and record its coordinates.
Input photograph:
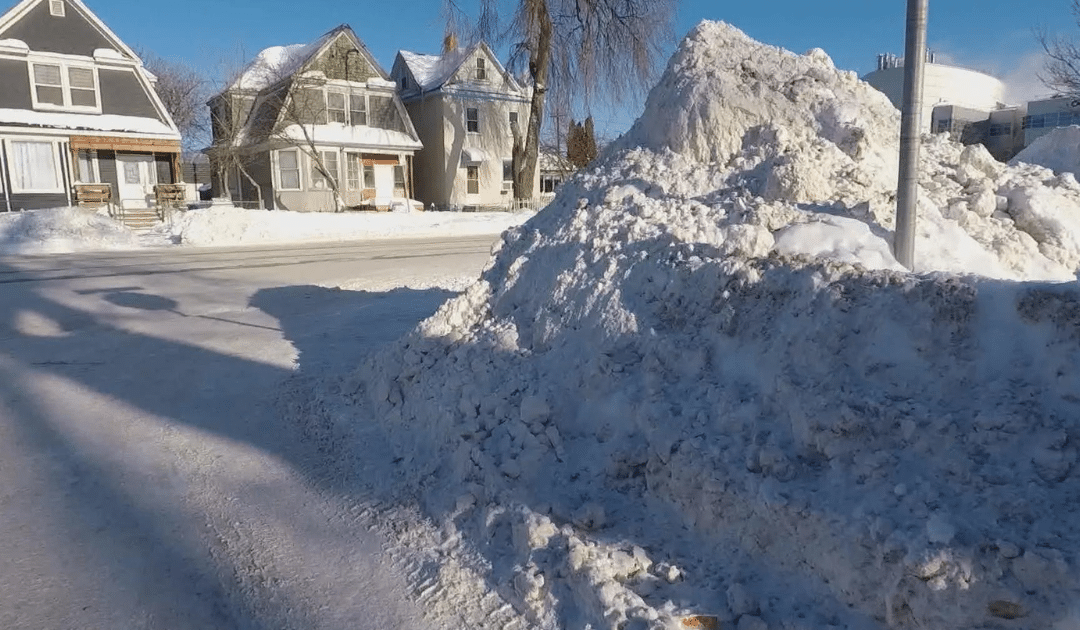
(699, 383)
(96, 122)
(62, 230)
(1058, 150)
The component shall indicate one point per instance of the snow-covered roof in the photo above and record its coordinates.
(14, 44)
(92, 122)
(275, 63)
(356, 136)
(433, 71)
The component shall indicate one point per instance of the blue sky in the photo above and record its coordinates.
(989, 35)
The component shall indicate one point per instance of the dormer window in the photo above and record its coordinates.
(64, 86)
(56, 8)
(481, 69)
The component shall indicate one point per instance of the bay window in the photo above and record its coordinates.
(289, 169)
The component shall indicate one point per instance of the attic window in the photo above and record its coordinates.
(56, 8)
(481, 69)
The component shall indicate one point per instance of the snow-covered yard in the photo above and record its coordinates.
(62, 230)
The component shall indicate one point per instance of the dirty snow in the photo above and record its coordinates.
(61, 230)
(699, 383)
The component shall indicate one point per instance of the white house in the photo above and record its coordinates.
(463, 104)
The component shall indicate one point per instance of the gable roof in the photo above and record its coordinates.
(432, 72)
(280, 62)
(12, 16)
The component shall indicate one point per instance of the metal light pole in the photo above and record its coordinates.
(907, 192)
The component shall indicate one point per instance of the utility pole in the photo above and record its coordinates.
(907, 192)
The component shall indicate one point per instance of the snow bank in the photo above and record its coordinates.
(1058, 151)
(62, 230)
(234, 226)
(699, 382)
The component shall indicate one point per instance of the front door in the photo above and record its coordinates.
(137, 175)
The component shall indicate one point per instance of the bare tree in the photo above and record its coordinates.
(593, 47)
(1061, 71)
(183, 91)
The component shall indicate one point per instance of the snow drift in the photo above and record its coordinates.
(1058, 150)
(699, 382)
(62, 230)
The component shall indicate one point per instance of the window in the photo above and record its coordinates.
(472, 120)
(481, 69)
(399, 179)
(34, 167)
(1001, 129)
(62, 86)
(549, 183)
(369, 177)
(289, 169)
(353, 164)
(330, 163)
(56, 8)
(83, 87)
(508, 171)
(513, 120)
(472, 179)
(335, 107)
(86, 163)
(47, 84)
(358, 109)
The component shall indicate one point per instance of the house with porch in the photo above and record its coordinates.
(464, 104)
(313, 127)
(79, 117)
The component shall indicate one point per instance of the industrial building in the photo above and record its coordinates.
(970, 106)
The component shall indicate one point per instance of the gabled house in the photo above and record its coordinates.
(463, 104)
(313, 127)
(77, 111)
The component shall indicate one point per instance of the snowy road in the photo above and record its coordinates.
(145, 479)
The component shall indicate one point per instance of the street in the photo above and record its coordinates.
(145, 478)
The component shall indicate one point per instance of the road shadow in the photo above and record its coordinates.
(177, 580)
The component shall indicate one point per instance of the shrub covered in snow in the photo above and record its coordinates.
(699, 381)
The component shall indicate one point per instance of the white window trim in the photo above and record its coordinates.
(53, 4)
(55, 143)
(478, 177)
(277, 170)
(65, 84)
(477, 109)
(367, 108)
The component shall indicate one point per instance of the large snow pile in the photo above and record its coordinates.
(699, 382)
(1058, 150)
(61, 230)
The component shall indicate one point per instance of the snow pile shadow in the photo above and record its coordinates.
(697, 381)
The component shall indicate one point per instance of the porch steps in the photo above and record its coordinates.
(139, 219)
